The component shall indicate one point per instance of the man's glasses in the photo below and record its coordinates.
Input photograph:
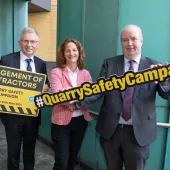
(26, 42)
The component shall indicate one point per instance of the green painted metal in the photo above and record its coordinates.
(45, 128)
(100, 41)
(20, 20)
(95, 24)
(13, 17)
(157, 150)
(167, 151)
(6, 40)
(69, 19)
(100, 35)
(91, 152)
(156, 34)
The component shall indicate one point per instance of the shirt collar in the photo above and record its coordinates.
(24, 57)
(71, 71)
(137, 59)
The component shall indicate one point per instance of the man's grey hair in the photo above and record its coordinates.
(133, 26)
(28, 30)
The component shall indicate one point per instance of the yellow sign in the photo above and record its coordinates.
(17, 91)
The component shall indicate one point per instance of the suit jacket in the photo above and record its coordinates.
(143, 104)
(62, 113)
(13, 60)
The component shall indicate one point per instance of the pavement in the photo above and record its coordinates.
(44, 155)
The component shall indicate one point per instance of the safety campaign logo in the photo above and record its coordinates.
(17, 91)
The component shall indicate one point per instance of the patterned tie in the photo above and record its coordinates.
(29, 68)
(128, 96)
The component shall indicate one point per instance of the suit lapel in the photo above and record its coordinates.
(142, 66)
(37, 65)
(65, 74)
(120, 68)
(80, 78)
(16, 60)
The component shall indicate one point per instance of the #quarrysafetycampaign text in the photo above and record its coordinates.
(103, 85)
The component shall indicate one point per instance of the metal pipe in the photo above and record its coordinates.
(164, 125)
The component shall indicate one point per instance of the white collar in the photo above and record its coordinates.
(137, 59)
(77, 69)
(24, 57)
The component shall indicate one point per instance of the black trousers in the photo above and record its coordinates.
(20, 129)
(123, 149)
(67, 141)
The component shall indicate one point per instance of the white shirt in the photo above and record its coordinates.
(73, 78)
(23, 62)
(135, 64)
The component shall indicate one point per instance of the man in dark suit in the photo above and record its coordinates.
(22, 128)
(127, 120)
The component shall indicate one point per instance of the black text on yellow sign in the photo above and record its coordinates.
(104, 85)
(17, 91)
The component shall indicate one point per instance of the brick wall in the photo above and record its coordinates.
(46, 25)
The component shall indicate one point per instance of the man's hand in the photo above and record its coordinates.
(46, 88)
(156, 66)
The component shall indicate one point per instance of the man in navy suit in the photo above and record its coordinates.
(23, 129)
(127, 120)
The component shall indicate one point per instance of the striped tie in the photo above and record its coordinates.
(29, 68)
(128, 96)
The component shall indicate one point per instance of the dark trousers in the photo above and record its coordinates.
(67, 141)
(20, 129)
(122, 148)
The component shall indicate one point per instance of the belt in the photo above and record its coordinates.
(124, 125)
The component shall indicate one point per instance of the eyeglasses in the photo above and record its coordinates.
(26, 42)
